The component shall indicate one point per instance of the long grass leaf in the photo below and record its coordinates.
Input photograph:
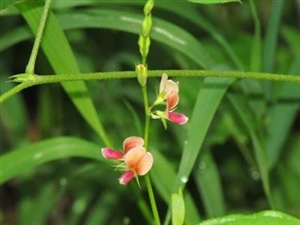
(282, 115)
(255, 62)
(208, 180)
(247, 118)
(270, 41)
(15, 162)
(162, 182)
(207, 103)
(60, 56)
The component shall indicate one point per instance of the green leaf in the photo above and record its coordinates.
(162, 183)
(40, 205)
(207, 103)
(268, 217)
(270, 41)
(19, 160)
(5, 3)
(292, 37)
(209, 182)
(247, 118)
(256, 53)
(282, 115)
(213, 1)
(208, 100)
(61, 58)
(178, 209)
(162, 31)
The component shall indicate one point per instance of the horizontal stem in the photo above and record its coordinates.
(46, 79)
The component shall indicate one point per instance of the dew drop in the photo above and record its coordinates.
(184, 179)
(202, 166)
(255, 175)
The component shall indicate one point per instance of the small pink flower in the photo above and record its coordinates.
(168, 94)
(172, 102)
(136, 160)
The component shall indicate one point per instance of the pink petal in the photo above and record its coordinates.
(126, 177)
(172, 101)
(177, 118)
(132, 142)
(132, 157)
(111, 154)
(145, 164)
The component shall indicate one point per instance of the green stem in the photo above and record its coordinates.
(46, 79)
(146, 143)
(38, 39)
(147, 116)
(152, 200)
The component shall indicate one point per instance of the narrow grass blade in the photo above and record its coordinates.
(282, 116)
(248, 120)
(60, 56)
(256, 54)
(15, 162)
(208, 180)
(270, 41)
(207, 103)
(163, 183)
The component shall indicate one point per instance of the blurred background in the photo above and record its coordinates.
(83, 191)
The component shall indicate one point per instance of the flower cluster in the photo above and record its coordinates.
(169, 96)
(135, 160)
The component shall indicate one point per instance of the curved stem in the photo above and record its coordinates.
(46, 79)
(38, 39)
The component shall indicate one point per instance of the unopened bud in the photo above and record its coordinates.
(142, 73)
(148, 6)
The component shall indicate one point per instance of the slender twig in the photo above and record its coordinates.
(46, 79)
(38, 39)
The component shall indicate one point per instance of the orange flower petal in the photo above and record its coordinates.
(133, 156)
(144, 165)
(173, 99)
(132, 142)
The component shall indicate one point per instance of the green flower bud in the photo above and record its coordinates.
(148, 7)
(142, 73)
(147, 25)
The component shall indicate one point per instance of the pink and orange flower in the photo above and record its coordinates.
(168, 95)
(136, 160)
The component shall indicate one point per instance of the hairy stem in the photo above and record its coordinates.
(46, 79)
(38, 39)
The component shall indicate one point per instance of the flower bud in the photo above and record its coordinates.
(148, 6)
(142, 73)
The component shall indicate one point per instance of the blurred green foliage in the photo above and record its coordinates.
(52, 171)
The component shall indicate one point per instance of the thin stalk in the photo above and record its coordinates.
(46, 79)
(147, 116)
(152, 200)
(146, 143)
(38, 39)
